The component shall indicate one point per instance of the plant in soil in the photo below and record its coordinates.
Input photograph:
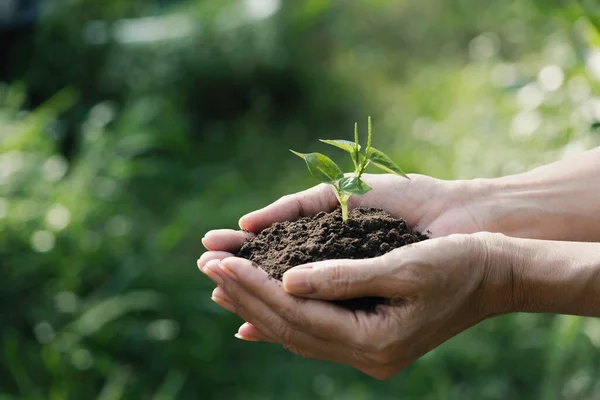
(326, 171)
(362, 233)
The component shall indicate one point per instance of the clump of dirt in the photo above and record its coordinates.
(368, 233)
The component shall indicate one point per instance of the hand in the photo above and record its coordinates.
(437, 289)
(432, 206)
(429, 205)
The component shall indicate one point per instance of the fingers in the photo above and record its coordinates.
(247, 331)
(275, 316)
(221, 298)
(211, 255)
(251, 333)
(345, 279)
(318, 318)
(225, 239)
(290, 207)
(273, 325)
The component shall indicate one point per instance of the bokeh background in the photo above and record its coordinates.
(128, 128)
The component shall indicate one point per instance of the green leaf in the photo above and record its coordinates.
(321, 167)
(379, 159)
(369, 134)
(356, 149)
(353, 185)
(342, 144)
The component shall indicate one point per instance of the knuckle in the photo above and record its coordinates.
(457, 239)
(298, 351)
(486, 236)
(377, 356)
(382, 350)
(286, 198)
(365, 332)
(284, 333)
(382, 374)
(362, 340)
(336, 280)
(293, 316)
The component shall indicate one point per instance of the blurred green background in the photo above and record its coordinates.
(128, 128)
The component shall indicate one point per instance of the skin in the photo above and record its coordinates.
(436, 288)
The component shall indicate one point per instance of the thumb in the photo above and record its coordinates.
(340, 279)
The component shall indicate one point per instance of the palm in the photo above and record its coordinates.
(432, 206)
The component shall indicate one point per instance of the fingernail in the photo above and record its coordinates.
(224, 303)
(220, 293)
(204, 243)
(247, 338)
(201, 265)
(211, 269)
(227, 270)
(250, 338)
(297, 280)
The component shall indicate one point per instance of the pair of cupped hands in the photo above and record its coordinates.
(435, 289)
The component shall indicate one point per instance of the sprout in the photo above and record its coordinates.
(325, 170)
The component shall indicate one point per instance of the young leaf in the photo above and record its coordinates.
(356, 152)
(365, 159)
(353, 185)
(379, 159)
(342, 144)
(369, 136)
(321, 167)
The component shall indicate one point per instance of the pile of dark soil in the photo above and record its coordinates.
(368, 233)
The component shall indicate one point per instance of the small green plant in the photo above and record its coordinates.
(325, 170)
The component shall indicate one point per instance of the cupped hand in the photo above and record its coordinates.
(435, 207)
(431, 206)
(436, 289)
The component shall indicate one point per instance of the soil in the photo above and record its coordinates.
(369, 232)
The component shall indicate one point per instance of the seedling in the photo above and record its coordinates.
(325, 170)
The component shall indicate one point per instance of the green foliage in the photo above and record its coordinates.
(326, 171)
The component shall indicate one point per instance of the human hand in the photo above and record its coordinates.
(429, 205)
(426, 203)
(436, 289)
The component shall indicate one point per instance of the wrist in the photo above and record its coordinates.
(557, 277)
(537, 205)
(499, 291)
(519, 206)
(540, 276)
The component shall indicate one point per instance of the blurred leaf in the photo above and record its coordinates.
(112, 308)
(27, 134)
(115, 386)
(170, 388)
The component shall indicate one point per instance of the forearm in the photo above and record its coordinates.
(559, 201)
(554, 277)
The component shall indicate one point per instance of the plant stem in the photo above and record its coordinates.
(343, 200)
(344, 205)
